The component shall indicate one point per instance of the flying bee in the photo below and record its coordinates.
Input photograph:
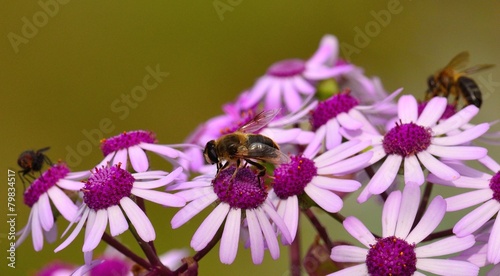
(449, 81)
(31, 161)
(243, 145)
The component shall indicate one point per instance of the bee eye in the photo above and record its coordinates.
(431, 82)
(210, 153)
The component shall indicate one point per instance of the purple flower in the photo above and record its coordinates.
(398, 252)
(133, 144)
(292, 80)
(417, 139)
(107, 194)
(486, 193)
(235, 197)
(45, 192)
(311, 175)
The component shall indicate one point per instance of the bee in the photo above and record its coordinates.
(30, 162)
(449, 81)
(243, 145)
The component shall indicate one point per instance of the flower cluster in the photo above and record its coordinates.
(288, 147)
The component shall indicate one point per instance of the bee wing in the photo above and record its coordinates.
(477, 68)
(267, 153)
(459, 60)
(259, 121)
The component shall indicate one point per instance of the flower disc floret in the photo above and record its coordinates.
(391, 256)
(495, 186)
(287, 68)
(332, 107)
(407, 139)
(291, 178)
(106, 187)
(125, 140)
(42, 184)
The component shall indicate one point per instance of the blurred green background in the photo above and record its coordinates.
(68, 74)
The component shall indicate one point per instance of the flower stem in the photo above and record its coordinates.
(423, 203)
(295, 255)
(319, 228)
(437, 235)
(125, 251)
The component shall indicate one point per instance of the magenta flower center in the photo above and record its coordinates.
(391, 256)
(287, 68)
(330, 108)
(449, 111)
(407, 139)
(291, 178)
(106, 187)
(495, 186)
(111, 267)
(126, 140)
(245, 117)
(243, 191)
(42, 184)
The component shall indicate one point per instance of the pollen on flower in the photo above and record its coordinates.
(287, 68)
(126, 140)
(391, 256)
(407, 139)
(242, 190)
(44, 183)
(107, 186)
(291, 178)
(330, 108)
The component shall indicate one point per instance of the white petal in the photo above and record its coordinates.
(273, 97)
(476, 218)
(75, 232)
(335, 184)
(229, 241)
(36, 229)
(257, 92)
(437, 167)
(121, 158)
(303, 86)
(385, 175)
(63, 203)
(358, 270)
(445, 246)
(341, 152)
(333, 137)
(269, 234)
(455, 121)
(457, 152)
(348, 122)
(291, 96)
(291, 215)
(277, 220)
(348, 254)
(432, 112)
(162, 198)
(468, 199)
(359, 231)
(70, 184)
(117, 221)
(494, 243)
(98, 228)
(407, 109)
(45, 212)
(447, 267)
(209, 227)
(327, 200)
(315, 145)
(160, 182)
(138, 159)
(463, 137)
(138, 219)
(192, 209)
(390, 214)
(409, 206)
(25, 231)
(412, 170)
(429, 221)
(256, 238)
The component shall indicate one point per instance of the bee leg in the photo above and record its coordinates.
(22, 177)
(260, 168)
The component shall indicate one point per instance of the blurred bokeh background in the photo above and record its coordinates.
(68, 66)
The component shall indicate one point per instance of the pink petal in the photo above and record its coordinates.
(349, 165)
(303, 86)
(273, 97)
(291, 215)
(192, 209)
(51, 235)
(75, 232)
(36, 229)
(390, 214)
(432, 112)
(70, 184)
(463, 137)
(257, 92)
(256, 238)
(437, 167)
(447, 267)
(162, 150)
(321, 73)
(138, 159)
(494, 243)
(333, 137)
(348, 254)
(341, 152)
(121, 158)
(277, 220)
(230, 235)
(269, 234)
(25, 231)
(446, 246)
(162, 198)
(138, 219)
(407, 109)
(476, 218)
(359, 231)
(63, 203)
(409, 205)
(313, 148)
(413, 171)
(327, 51)
(327, 200)
(209, 227)
(455, 121)
(291, 96)
(117, 221)
(348, 122)
(97, 230)
(76, 176)
(45, 212)
(335, 184)
(468, 199)
(430, 220)
(160, 182)
(385, 175)
(457, 152)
